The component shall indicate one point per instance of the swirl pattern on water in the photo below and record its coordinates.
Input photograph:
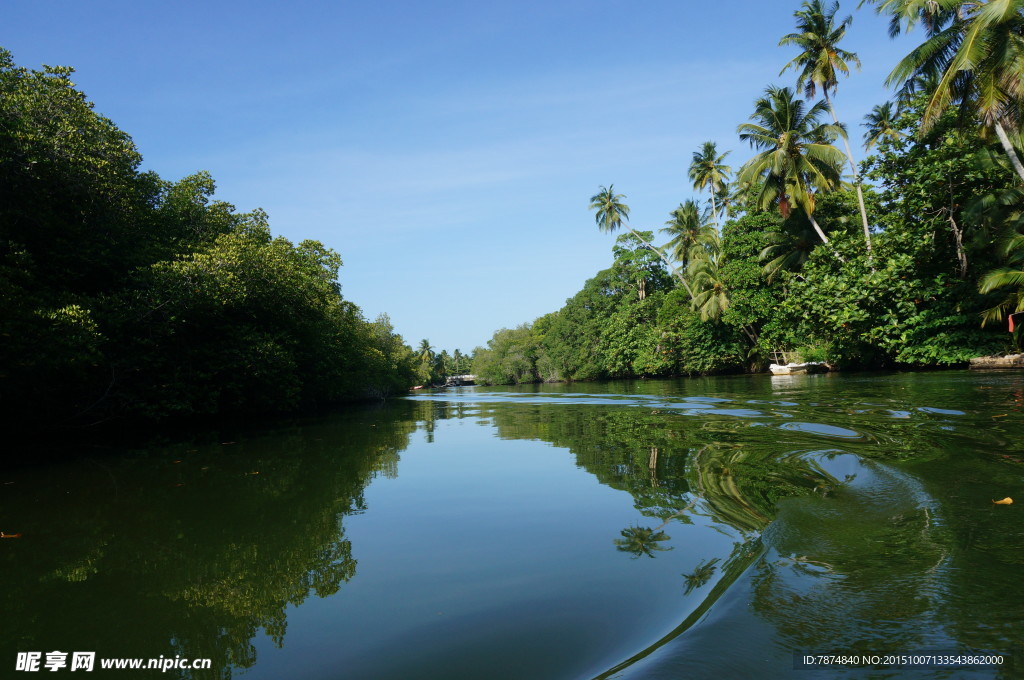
(856, 548)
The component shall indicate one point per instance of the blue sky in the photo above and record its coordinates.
(447, 150)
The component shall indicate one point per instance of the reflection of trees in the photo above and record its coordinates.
(641, 541)
(191, 548)
(868, 552)
(700, 575)
(673, 465)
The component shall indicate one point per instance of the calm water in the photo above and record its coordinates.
(673, 529)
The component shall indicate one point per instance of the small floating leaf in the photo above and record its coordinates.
(1001, 415)
(1005, 501)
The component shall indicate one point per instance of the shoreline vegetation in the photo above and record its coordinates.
(793, 254)
(128, 297)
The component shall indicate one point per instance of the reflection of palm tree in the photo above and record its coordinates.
(641, 541)
(700, 576)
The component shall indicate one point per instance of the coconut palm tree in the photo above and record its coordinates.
(796, 156)
(425, 355)
(687, 228)
(612, 214)
(1010, 276)
(709, 173)
(881, 124)
(905, 14)
(712, 297)
(787, 251)
(819, 63)
(974, 55)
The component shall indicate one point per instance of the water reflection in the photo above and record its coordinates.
(188, 549)
(851, 551)
(593, 529)
(640, 541)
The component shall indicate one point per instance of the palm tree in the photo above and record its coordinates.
(686, 228)
(787, 251)
(708, 172)
(881, 124)
(611, 214)
(425, 354)
(796, 154)
(819, 64)
(1010, 276)
(911, 12)
(712, 295)
(973, 54)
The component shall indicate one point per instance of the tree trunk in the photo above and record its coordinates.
(1008, 148)
(817, 229)
(856, 180)
(961, 254)
(824, 239)
(714, 209)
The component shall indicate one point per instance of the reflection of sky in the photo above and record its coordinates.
(478, 538)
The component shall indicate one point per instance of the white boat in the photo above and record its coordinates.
(792, 368)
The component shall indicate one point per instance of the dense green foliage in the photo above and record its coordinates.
(916, 269)
(123, 294)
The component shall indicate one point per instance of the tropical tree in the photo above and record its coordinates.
(881, 124)
(708, 172)
(425, 355)
(796, 156)
(1010, 276)
(612, 214)
(819, 63)
(638, 265)
(973, 55)
(712, 295)
(443, 361)
(787, 251)
(687, 228)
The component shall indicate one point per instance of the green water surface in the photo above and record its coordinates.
(650, 529)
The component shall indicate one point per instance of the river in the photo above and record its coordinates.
(694, 528)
